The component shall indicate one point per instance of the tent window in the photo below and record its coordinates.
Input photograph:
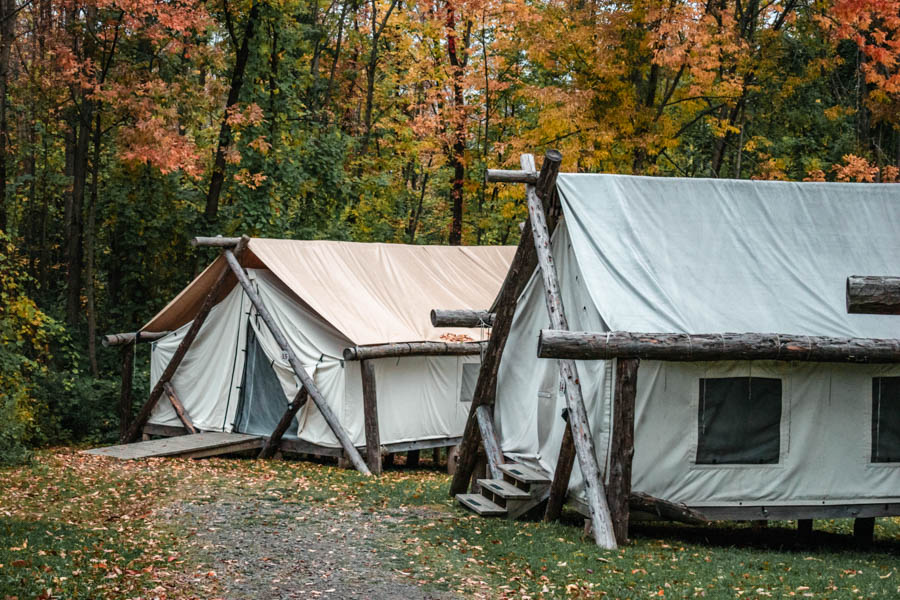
(739, 421)
(469, 378)
(885, 419)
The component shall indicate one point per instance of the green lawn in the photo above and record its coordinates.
(73, 526)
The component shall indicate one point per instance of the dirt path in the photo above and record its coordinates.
(262, 548)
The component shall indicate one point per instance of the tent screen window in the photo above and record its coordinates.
(739, 421)
(886, 419)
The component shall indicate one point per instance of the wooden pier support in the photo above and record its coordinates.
(618, 489)
(872, 295)
(134, 429)
(370, 416)
(350, 450)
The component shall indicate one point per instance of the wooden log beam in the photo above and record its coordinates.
(134, 337)
(491, 444)
(520, 270)
(370, 416)
(140, 420)
(183, 416)
(216, 242)
(321, 403)
(682, 347)
(273, 444)
(511, 176)
(618, 489)
(669, 511)
(125, 400)
(873, 295)
(585, 453)
(412, 349)
(461, 318)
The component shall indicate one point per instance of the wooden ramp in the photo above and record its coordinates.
(191, 446)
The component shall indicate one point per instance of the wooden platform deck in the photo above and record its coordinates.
(193, 446)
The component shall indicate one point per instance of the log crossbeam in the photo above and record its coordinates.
(413, 349)
(462, 318)
(872, 295)
(134, 337)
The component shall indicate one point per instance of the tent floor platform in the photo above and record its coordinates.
(199, 445)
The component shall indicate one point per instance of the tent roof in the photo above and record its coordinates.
(713, 256)
(371, 293)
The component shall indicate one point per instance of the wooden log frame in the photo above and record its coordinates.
(183, 416)
(334, 424)
(684, 347)
(412, 349)
(583, 440)
(461, 318)
(370, 416)
(273, 443)
(872, 295)
(505, 176)
(618, 489)
(134, 430)
(216, 242)
(523, 264)
(134, 337)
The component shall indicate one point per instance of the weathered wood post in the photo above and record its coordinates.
(321, 403)
(618, 491)
(493, 455)
(125, 401)
(135, 429)
(520, 270)
(578, 417)
(370, 416)
(179, 408)
(274, 441)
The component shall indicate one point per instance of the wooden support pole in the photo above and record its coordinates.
(412, 349)
(805, 530)
(559, 487)
(135, 337)
(873, 295)
(520, 270)
(274, 442)
(135, 429)
(125, 400)
(183, 416)
(216, 242)
(461, 318)
(511, 176)
(370, 416)
(568, 371)
(489, 437)
(618, 489)
(864, 530)
(685, 347)
(350, 450)
(412, 459)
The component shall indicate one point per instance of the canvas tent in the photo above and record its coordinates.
(722, 439)
(326, 297)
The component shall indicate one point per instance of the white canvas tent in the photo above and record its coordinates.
(733, 439)
(325, 297)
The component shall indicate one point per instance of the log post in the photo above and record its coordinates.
(685, 347)
(125, 400)
(805, 530)
(578, 417)
(872, 295)
(179, 408)
(135, 429)
(321, 403)
(559, 487)
(370, 416)
(489, 437)
(618, 490)
(864, 530)
(412, 459)
(520, 270)
(272, 444)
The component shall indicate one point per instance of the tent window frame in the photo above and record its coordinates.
(777, 425)
(893, 458)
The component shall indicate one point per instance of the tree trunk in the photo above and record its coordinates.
(237, 81)
(7, 31)
(90, 239)
(458, 146)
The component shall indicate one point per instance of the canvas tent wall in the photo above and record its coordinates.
(325, 297)
(688, 255)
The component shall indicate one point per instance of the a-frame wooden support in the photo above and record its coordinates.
(183, 415)
(134, 430)
(287, 418)
(568, 372)
(350, 450)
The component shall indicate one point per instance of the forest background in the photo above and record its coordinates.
(129, 126)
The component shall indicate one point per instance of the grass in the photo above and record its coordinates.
(73, 526)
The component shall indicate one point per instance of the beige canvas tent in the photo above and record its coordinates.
(345, 324)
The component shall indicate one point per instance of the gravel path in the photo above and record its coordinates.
(259, 548)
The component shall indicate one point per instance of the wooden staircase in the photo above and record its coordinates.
(521, 489)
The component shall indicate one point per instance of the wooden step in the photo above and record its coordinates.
(480, 505)
(523, 474)
(504, 489)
